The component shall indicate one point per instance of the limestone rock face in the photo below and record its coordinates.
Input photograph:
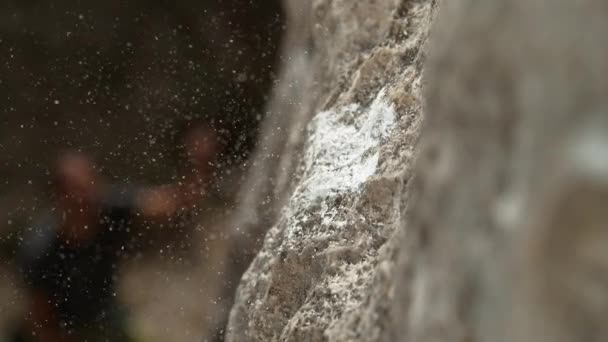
(325, 269)
(487, 223)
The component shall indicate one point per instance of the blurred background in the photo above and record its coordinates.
(120, 81)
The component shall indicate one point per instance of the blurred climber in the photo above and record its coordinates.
(71, 257)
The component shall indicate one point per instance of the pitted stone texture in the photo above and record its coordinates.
(499, 231)
(324, 271)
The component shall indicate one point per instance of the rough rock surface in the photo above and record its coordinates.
(495, 233)
(325, 267)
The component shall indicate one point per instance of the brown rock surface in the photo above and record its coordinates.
(345, 119)
(497, 231)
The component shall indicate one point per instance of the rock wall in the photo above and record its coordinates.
(485, 223)
(336, 182)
